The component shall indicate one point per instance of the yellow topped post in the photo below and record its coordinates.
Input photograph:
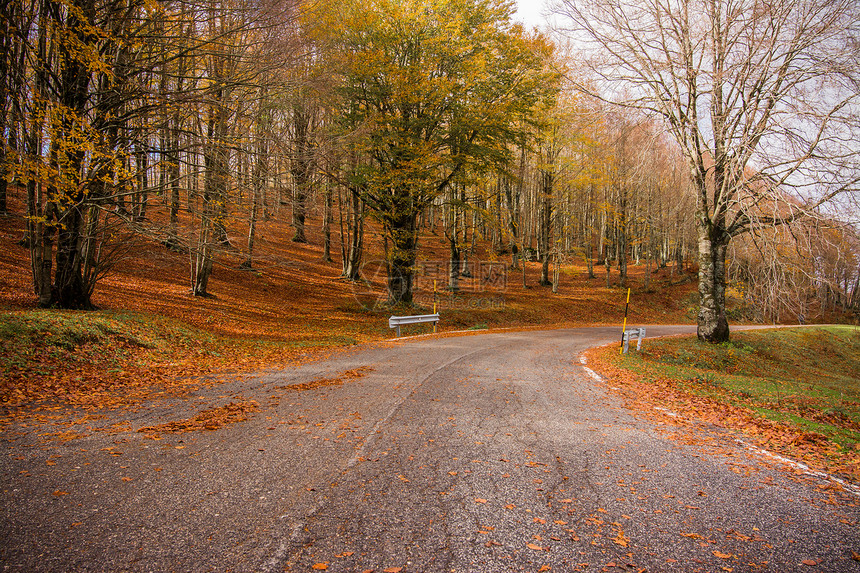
(624, 328)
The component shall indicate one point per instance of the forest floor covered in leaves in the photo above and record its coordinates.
(150, 332)
(151, 338)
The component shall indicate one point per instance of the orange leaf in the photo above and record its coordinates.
(480, 500)
(544, 568)
(60, 492)
(692, 535)
(810, 562)
(722, 555)
(320, 566)
(393, 570)
(534, 546)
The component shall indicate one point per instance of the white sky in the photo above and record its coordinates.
(529, 12)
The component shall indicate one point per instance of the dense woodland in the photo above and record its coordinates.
(181, 122)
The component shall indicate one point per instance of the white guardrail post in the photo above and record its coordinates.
(639, 333)
(398, 321)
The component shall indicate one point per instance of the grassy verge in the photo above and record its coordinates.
(795, 390)
(108, 358)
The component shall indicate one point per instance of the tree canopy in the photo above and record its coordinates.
(761, 97)
(428, 91)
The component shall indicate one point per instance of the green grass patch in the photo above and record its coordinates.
(807, 378)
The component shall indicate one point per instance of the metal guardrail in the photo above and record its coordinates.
(638, 333)
(398, 321)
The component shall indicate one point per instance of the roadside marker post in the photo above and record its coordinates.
(624, 328)
(434, 305)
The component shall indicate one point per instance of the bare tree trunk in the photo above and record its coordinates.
(712, 323)
(327, 221)
(355, 224)
(301, 170)
(546, 225)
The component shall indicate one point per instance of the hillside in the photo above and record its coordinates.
(291, 304)
(293, 295)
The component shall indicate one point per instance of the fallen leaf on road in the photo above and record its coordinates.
(480, 500)
(692, 535)
(393, 570)
(534, 546)
(621, 539)
(320, 566)
(60, 492)
(722, 555)
(810, 562)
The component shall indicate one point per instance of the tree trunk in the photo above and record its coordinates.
(454, 265)
(327, 221)
(355, 232)
(69, 288)
(41, 242)
(301, 171)
(546, 225)
(402, 232)
(712, 323)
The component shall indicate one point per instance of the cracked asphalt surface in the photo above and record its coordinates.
(495, 452)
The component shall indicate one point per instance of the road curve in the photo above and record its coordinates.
(495, 452)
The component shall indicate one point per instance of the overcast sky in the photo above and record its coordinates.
(529, 12)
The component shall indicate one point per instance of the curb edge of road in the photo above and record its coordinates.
(849, 487)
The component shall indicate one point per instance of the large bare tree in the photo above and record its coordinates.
(761, 96)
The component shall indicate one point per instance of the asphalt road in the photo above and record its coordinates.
(496, 452)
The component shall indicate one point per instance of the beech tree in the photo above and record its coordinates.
(761, 97)
(430, 90)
